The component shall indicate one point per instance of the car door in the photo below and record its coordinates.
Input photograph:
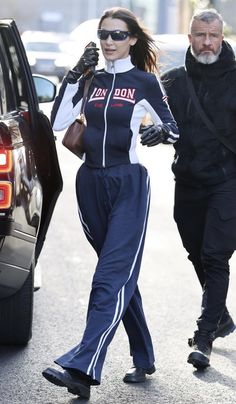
(30, 183)
(21, 106)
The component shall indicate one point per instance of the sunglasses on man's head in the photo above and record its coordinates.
(116, 35)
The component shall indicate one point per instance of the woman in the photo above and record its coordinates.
(113, 191)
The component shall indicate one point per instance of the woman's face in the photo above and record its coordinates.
(113, 49)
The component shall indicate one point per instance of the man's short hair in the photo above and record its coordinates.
(207, 15)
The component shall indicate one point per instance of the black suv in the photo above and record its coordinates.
(30, 182)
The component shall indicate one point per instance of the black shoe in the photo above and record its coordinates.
(138, 375)
(202, 345)
(74, 385)
(224, 329)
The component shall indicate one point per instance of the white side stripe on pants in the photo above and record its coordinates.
(120, 297)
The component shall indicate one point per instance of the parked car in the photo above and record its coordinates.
(30, 182)
(47, 53)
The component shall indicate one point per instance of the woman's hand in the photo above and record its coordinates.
(88, 60)
(152, 135)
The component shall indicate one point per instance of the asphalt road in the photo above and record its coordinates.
(171, 297)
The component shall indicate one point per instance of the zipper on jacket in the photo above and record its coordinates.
(105, 118)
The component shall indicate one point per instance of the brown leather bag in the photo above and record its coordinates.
(73, 138)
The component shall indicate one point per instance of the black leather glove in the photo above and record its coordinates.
(88, 60)
(143, 127)
(154, 134)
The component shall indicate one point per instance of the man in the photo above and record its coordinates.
(205, 172)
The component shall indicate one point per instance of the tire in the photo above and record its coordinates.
(16, 314)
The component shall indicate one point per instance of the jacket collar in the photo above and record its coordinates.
(119, 65)
(225, 63)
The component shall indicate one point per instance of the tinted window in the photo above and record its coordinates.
(3, 106)
(15, 94)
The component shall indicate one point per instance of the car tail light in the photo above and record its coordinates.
(5, 161)
(5, 194)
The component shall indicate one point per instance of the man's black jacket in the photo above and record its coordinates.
(201, 159)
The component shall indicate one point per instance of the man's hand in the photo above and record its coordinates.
(88, 60)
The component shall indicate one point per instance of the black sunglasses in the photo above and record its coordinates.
(116, 35)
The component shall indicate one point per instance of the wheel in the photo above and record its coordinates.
(16, 313)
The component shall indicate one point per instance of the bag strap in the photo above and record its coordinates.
(85, 94)
(203, 115)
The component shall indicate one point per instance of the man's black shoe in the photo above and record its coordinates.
(224, 329)
(74, 385)
(202, 345)
(138, 375)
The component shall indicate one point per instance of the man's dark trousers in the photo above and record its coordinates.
(206, 220)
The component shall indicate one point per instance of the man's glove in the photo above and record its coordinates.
(88, 60)
(152, 135)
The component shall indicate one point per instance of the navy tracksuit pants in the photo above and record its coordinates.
(113, 207)
(206, 220)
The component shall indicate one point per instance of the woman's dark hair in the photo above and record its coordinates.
(144, 52)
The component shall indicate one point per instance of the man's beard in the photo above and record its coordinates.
(206, 58)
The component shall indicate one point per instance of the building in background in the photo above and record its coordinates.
(54, 15)
(65, 15)
(160, 16)
(167, 16)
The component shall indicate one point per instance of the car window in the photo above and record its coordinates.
(42, 47)
(7, 97)
(3, 106)
(14, 91)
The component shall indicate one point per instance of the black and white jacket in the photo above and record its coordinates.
(119, 98)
